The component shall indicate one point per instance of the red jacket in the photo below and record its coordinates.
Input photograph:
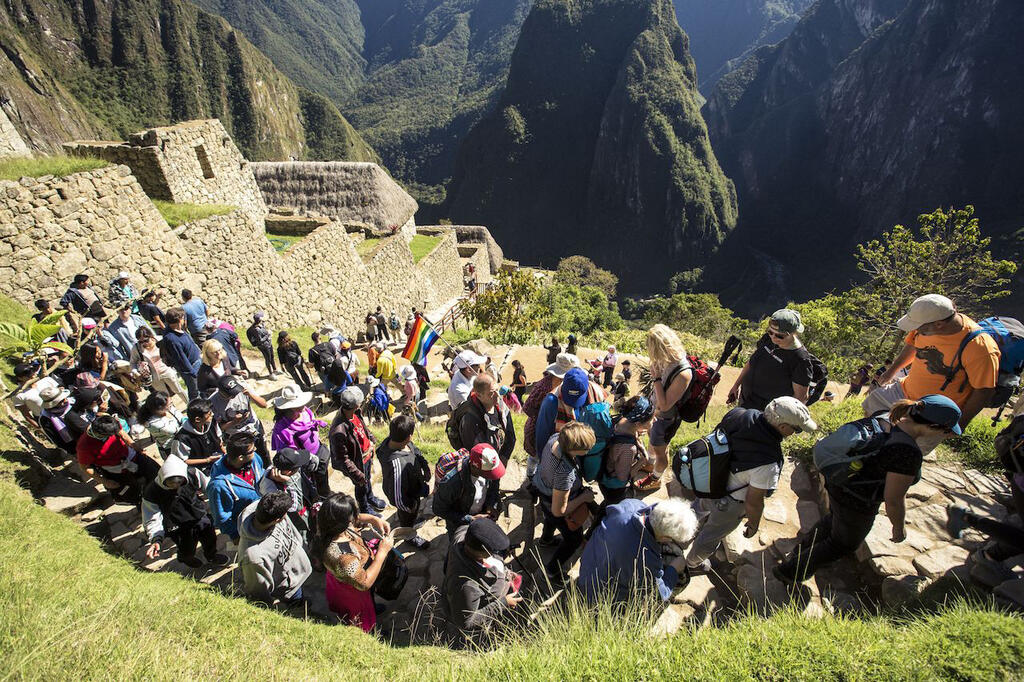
(93, 452)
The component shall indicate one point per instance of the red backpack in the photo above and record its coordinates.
(694, 403)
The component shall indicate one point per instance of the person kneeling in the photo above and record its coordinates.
(274, 565)
(171, 507)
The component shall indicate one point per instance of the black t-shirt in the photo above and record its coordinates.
(866, 488)
(773, 371)
(150, 311)
(519, 377)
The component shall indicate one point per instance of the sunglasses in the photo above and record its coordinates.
(777, 335)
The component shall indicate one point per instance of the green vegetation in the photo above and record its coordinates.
(579, 271)
(421, 245)
(366, 247)
(975, 448)
(329, 137)
(59, 165)
(283, 242)
(179, 214)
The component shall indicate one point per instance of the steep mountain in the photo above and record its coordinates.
(724, 32)
(597, 147)
(88, 68)
(871, 112)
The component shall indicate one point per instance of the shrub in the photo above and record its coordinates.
(582, 272)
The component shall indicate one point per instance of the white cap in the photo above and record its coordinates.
(468, 358)
(562, 364)
(930, 308)
(789, 410)
(122, 275)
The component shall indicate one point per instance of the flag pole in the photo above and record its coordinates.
(440, 336)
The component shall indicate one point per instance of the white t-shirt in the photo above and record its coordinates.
(30, 396)
(479, 494)
(764, 477)
(459, 390)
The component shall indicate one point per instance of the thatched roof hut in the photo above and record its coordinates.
(348, 191)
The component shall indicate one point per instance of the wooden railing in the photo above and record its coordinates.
(458, 311)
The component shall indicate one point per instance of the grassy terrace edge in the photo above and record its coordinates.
(59, 165)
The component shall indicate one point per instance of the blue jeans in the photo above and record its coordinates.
(191, 385)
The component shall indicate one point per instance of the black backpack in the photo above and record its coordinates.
(819, 380)
(451, 428)
(323, 356)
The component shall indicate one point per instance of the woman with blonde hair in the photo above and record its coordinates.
(215, 365)
(670, 374)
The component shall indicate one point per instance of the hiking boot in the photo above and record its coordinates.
(191, 561)
(956, 524)
(377, 503)
(550, 541)
(418, 542)
(218, 559)
(648, 482)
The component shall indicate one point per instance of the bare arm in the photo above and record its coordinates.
(562, 505)
(256, 398)
(666, 398)
(974, 404)
(896, 487)
(754, 508)
(901, 361)
(801, 392)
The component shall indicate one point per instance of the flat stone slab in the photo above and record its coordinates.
(68, 496)
(937, 562)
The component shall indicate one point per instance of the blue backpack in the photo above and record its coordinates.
(598, 417)
(1008, 334)
(703, 466)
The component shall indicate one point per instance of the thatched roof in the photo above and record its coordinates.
(348, 191)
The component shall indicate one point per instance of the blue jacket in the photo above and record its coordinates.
(228, 495)
(124, 332)
(622, 556)
(181, 352)
(228, 339)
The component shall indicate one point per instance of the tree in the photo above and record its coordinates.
(580, 310)
(579, 271)
(686, 281)
(699, 314)
(28, 342)
(506, 308)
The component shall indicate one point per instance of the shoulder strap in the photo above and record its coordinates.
(958, 360)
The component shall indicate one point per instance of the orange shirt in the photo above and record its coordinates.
(936, 354)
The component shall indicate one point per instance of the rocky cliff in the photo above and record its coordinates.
(871, 112)
(597, 146)
(89, 68)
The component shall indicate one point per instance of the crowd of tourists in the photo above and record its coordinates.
(177, 377)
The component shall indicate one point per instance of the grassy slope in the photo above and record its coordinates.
(59, 165)
(178, 214)
(421, 245)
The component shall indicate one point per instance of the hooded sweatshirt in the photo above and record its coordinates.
(273, 563)
(165, 510)
(192, 444)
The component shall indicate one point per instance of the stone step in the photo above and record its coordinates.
(65, 495)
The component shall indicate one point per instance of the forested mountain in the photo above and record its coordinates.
(597, 146)
(870, 112)
(92, 68)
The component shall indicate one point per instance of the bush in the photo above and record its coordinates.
(582, 310)
(975, 449)
(580, 271)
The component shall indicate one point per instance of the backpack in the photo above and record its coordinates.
(1010, 446)
(451, 428)
(598, 417)
(323, 356)
(837, 455)
(819, 381)
(694, 403)
(703, 466)
(616, 439)
(1008, 334)
(449, 462)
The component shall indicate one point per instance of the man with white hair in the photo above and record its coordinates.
(624, 554)
(467, 365)
(755, 462)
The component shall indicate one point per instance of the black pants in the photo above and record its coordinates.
(571, 540)
(382, 332)
(321, 475)
(608, 372)
(300, 375)
(133, 482)
(364, 491)
(186, 537)
(837, 535)
(268, 357)
(1010, 536)
(407, 519)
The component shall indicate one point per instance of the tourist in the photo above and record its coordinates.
(469, 489)
(215, 366)
(551, 380)
(608, 364)
(479, 590)
(883, 477)
(352, 445)
(198, 442)
(382, 326)
(395, 325)
(553, 350)
(518, 380)
(563, 498)
(225, 335)
(122, 292)
(260, 338)
(270, 555)
(233, 481)
(106, 453)
(570, 347)
(352, 566)
(626, 457)
(125, 329)
(935, 331)
(172, 508)
(150, 311)
(620, 389)
(406, 377)
(162, 421)
(780, 366)
(386, 366)
(196, 314)
(671, 375)
(623, 557)
(860, 378)
(372, 353)
(486, 419)
(232, 409)
(291, 472)
(146, 358)
(180, 352)
(422, 377)
(296, 427)
(102, 338)
(510, 400)
(467, 365)
(347, 360)
(27, 398)
(290, 355)
(627, 371)
(576, 399)
(82, 299)
(755, 462)
(91, 360)
(58, 420)
(406, 477)
(371, 328)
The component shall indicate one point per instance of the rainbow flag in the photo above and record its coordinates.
(421, 340)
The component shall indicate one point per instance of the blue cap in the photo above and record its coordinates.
(938, 410)
(574, 387)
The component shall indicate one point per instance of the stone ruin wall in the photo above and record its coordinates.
(194, 162)
(100, 222)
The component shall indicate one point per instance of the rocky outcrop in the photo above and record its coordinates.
(597, 146)
(869, 113)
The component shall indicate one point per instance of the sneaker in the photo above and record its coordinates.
(648, 482)
(701, 568)
(956, 524)
(418, 542)
(377, 503)
(192, 561)
(547, 542)
(218, 559)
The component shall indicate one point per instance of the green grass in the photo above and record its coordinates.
(367, 246)
(975, 449)
(59, 165)
(421, 245)
(283, 242)
(179, 214)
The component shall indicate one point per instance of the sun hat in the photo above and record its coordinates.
(938, 410)
(574, 387)
(291, 397)
(468, 358)
(925, 309)
(788, 321)
(788, 410)
(407, 373)
(372, 382)
(52, 396)
(122, 275)
(562, 364)
(351, 398)
(484, 457)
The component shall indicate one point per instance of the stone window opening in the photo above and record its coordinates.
(204, 162)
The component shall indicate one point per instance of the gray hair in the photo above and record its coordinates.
(674, 519)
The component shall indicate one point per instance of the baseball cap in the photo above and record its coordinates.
(938, 410)
(290, 459)
(88, 323)
(230, 385)
(122, 275)
(789, 410)
(487, 535)
(485, 458)
(562, 364)
(787, 321)
(468, 358)
(574, 387)
(351, 398)
(925, 309)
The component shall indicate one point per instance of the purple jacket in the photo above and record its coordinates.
(300, 433)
